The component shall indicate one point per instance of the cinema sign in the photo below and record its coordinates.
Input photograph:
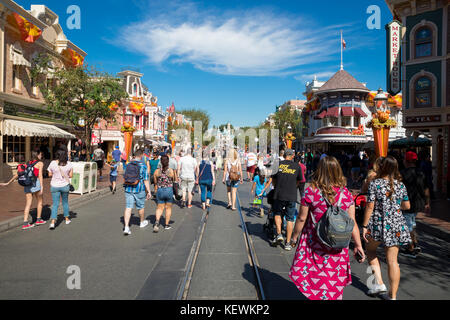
(394, 42)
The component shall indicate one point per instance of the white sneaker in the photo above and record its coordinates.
(52, 226)
(144, 224)
(126, 231)
(68, 221)
(377, 290)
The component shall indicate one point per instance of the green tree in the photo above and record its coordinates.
(197, 115)
(285, 118)
(79, 94)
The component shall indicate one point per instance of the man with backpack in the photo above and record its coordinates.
(419, 196)
(137, 190)
(286, 182)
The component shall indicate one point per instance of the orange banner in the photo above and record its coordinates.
(29, 32)
(128, 137)
(381, 137)
(76, 58)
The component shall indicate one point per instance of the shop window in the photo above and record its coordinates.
(356, 121)
(424, 42)
(423, 93)
(345, 121)
(135, 89)
(138, 119)
(13, 149)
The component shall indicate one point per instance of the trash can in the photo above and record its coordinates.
(80, 179)
(93, 177)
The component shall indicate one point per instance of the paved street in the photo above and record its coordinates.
(145, 265)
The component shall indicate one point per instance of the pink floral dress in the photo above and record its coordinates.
(318, 272)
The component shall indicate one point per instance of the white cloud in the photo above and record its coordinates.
(251, 43)
(321, 76)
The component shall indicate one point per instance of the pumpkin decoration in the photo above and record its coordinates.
(383, 116)
(127, 127)
(136, 108)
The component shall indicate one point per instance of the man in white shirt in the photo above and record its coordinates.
(251, 161)
(186, 171)
(99, 158)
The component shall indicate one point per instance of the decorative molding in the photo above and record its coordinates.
(412, 39)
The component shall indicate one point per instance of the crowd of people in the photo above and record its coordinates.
(300, 189)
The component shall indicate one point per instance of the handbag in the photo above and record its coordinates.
(71, 187)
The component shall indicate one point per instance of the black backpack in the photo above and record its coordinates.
(132, 174)
(27, 178)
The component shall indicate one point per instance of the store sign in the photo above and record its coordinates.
(394, 42)
(421, 119)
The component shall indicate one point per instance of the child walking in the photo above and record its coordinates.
(260, 184)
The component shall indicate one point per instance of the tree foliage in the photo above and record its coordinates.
(82, 95)
(197, 115)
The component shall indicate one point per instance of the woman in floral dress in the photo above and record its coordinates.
(319, 272)
(384, 224)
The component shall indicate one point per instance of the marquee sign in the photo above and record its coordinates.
(422, 119)
(394, 42)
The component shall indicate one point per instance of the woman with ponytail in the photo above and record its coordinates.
(384, 224)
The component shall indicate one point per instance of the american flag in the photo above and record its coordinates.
(344, 44)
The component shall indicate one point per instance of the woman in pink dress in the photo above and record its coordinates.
(319, 272)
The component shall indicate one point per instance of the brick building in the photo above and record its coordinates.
(25, 123)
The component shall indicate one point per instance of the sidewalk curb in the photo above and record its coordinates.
(433, 230)
(73, 204)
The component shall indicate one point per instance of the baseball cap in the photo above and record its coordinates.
(411, 156)
(289, 152)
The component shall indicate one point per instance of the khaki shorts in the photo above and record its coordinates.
(187, 185)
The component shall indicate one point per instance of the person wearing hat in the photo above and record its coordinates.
(419, 196)
(286, 182)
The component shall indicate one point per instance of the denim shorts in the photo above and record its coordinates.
(410, 220)
(132, 199)
(164, 195)
(112, 179)
(285, 209)
(232, 184)
(33, 188)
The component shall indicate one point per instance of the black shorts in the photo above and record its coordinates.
(99, 164)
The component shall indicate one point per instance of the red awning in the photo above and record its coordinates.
(320, 115)
(360, 112)
(333, 112)
(347, 111)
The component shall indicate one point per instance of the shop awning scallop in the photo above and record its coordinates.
(30, 129)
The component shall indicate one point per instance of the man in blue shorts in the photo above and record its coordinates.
(136, 195)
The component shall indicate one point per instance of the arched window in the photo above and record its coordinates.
(424, 42)
(135, 90)
(423, 92)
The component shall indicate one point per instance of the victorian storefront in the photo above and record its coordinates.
(140, 111)
(25, 122)
(337, 112)
(426, 70)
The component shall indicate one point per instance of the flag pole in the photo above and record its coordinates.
(342, 57)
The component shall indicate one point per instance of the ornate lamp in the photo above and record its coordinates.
(381, 124)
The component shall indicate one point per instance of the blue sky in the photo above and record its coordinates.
(235, 59)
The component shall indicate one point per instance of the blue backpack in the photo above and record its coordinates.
(132, 174)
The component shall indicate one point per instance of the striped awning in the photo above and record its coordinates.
(347, 111)
(333, 112)
(30, 129)
(360, 112)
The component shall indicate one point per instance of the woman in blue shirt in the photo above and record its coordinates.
(206, 179)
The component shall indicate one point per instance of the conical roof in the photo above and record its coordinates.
(342, 80)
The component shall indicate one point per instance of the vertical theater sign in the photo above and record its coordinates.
(394, 42)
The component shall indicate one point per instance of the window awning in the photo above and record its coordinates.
(30, 129)
(360, 112)
(333, 112)
(347, 111)
(320, 115)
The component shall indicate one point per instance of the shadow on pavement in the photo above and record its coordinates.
(275, 286)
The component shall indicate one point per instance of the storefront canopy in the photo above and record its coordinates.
(410, 142)
(29, 129)
(320, 115)
(360, 112)
(347, 111)
(333, 112)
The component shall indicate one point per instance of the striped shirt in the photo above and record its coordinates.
(140, 187)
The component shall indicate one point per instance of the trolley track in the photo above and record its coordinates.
(183, 291)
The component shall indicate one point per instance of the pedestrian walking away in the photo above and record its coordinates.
(260, 185)
(114, 167)
(61, 171)
(286, 182)
(30, 176)
(206, 179)
(137, 190)
(186, 172)
(99, 158)
(251, 161)
(319, 271)
(232, 176)
(385, 224)
(163, 181)
(418, 190)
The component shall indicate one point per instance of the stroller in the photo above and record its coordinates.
(360, 206)
(269, 227)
